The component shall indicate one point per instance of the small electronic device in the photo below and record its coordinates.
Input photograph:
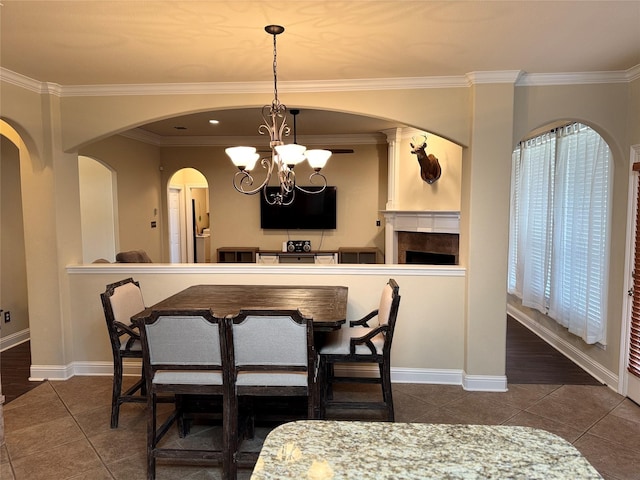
(299, 246)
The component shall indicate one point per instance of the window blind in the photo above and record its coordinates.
(634, 340)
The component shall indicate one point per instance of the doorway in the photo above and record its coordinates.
(188, 215)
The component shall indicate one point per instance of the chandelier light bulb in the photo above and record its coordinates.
(317, 158)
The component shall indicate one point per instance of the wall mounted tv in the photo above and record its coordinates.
(307, 212)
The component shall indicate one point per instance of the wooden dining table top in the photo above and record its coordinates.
(327, 305)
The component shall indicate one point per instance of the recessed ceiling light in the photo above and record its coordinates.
(214, 122)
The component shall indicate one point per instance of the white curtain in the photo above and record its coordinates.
(579, 265)
(559, 232)
(537, 169)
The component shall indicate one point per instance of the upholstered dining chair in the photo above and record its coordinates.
(120, 301)
(367, 340)
(273, 356)
(184, 354)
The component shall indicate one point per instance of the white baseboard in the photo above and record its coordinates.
(48, 372)
(14, 339)
(578, 357)
(481, 383)
(398, 375)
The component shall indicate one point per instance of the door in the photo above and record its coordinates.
(630, 366)
(177, 250)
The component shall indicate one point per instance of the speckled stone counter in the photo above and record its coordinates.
(318, 450)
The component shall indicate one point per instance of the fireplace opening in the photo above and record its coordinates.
(429, 258)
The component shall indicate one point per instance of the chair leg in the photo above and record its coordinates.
(117, 390)
(151, 436)
(387, 395)
(230, 442)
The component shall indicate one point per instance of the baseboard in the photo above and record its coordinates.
(577, 356)
(14, 339)
(96, 369)
(481, 383)
(398, 375)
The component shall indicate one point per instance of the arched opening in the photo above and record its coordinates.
(98, 210)
(188, 217)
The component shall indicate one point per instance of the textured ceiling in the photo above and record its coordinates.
(104, 42)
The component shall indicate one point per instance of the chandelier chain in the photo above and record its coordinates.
(276, 102)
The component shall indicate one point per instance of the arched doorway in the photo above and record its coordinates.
(188, 213)
(98, 210)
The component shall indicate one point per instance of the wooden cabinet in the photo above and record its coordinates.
(359, 255)
(343, 255)
(237, 254)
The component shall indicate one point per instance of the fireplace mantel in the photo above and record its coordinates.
(416, 221)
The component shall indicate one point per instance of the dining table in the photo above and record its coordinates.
(325, 304)
(333, 450)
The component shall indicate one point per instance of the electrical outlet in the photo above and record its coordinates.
(7, 317)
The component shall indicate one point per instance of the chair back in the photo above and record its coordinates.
(269, 341)
(122, 300)
(182, 340)
(388, 310)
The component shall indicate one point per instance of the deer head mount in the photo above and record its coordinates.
(430, 170)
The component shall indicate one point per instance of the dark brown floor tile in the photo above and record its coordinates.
(618, 430)
(34, 413)
(118, 443)
(98, 473)
(4, 456)
(408, 408)
(132, 416)
(562, 405)
(43, 392)
(485, 408)
(58, 463)
(526, 419)
(437, 395)
(84, 393)
(133, 467)
(628, 410)
(523, 396)
(42, 437)
(610, 459)
(6, 472)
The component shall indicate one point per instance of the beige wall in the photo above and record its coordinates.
(414, 193)
(235, 218)
(13, 276)
(426, 313)
(486, 119)
(137, 168)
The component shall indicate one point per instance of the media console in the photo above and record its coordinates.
(342, 255)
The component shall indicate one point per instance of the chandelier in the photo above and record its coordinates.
(283, 157)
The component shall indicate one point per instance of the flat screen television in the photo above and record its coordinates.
(315, 211)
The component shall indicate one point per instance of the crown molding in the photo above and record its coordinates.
(504, 76)
(516, 77)
(256, 140)
(580, 78)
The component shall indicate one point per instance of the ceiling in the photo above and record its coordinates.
(92, 43)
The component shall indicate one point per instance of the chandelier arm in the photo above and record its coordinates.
(313, 176)
(243, 177)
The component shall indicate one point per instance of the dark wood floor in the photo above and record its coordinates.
(529, 360)
(14, 370)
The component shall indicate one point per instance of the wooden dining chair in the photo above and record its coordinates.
(273, 356)
(367, 340)
(185, 354)
(120, 301)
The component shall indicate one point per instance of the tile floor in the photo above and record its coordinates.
(60, 430)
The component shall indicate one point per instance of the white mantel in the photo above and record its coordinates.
(416, 221)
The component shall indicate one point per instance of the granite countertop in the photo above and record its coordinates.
(318, 450)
